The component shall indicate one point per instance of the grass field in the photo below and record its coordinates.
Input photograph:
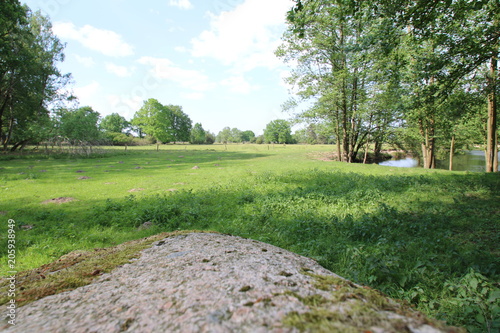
(428, 237)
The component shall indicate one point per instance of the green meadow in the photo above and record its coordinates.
(427, 237)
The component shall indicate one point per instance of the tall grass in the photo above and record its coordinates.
(427, 237)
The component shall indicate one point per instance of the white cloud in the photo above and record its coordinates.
(86, 93)
(183, 4)
(180, 49)
(106, 42)
(165, 69)
(245, 37)
(126, 106)
(85, 61)
(238, 84)
(120, 71)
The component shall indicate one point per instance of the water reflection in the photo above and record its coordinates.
(472, 160)
(403, 163)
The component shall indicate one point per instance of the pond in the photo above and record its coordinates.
(472, 160)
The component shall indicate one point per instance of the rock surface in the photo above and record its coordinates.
(207, 282)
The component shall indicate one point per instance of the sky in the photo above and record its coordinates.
(215, 58)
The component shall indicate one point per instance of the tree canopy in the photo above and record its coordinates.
(380, 70)
(114, 123)
(278, 131)
(164, 123)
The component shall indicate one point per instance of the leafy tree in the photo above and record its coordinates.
(225, 135)
(80, 125)
(278, 131)
(210, 138)
(198, 134)
(235, 135)
(327, 41)
(29, 79)
(376, 69)
(462, 39)
(181, 124)
(163, 123)
(114, 123)
(248, 136)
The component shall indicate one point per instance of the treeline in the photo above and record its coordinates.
(421, 75)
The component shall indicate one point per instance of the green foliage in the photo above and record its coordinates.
(198, 134)
(401, 71)
(114, 123)
(248, 136)
(80, 125)
(278, 131)
(120, 139)
(231, 135)
(29, 78)
(164, 123)
(474, 299)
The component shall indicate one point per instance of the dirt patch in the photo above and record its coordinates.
(59, 200)
(80, 171)
(3, 212)
(172, 190)
(84, 177)
(109, 183)
(179, 183)
(136, 190)
(195, 167)
(326, 157)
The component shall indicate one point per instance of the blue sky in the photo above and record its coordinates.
(215, 58)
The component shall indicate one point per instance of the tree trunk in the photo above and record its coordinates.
(491, 140)
(428, 144)
(452, 151)
(20, 144)
(9, 134)
(366, 150)
(377, 149)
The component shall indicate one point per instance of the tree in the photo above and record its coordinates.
(162, 123)
(247, 136)
(114, 123)
(80, 125)
(465, 40)
(154, 120)
(30, 82)
(326, 40)
(379, 68)
(235, 135)
(180, 128)
(278, 131)
(198, 134)
(210, 138)
(225, 135)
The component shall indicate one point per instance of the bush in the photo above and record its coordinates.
(119, 139)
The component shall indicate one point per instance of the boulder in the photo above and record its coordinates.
(209, 282)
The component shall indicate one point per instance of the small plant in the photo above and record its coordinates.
(474, 301)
